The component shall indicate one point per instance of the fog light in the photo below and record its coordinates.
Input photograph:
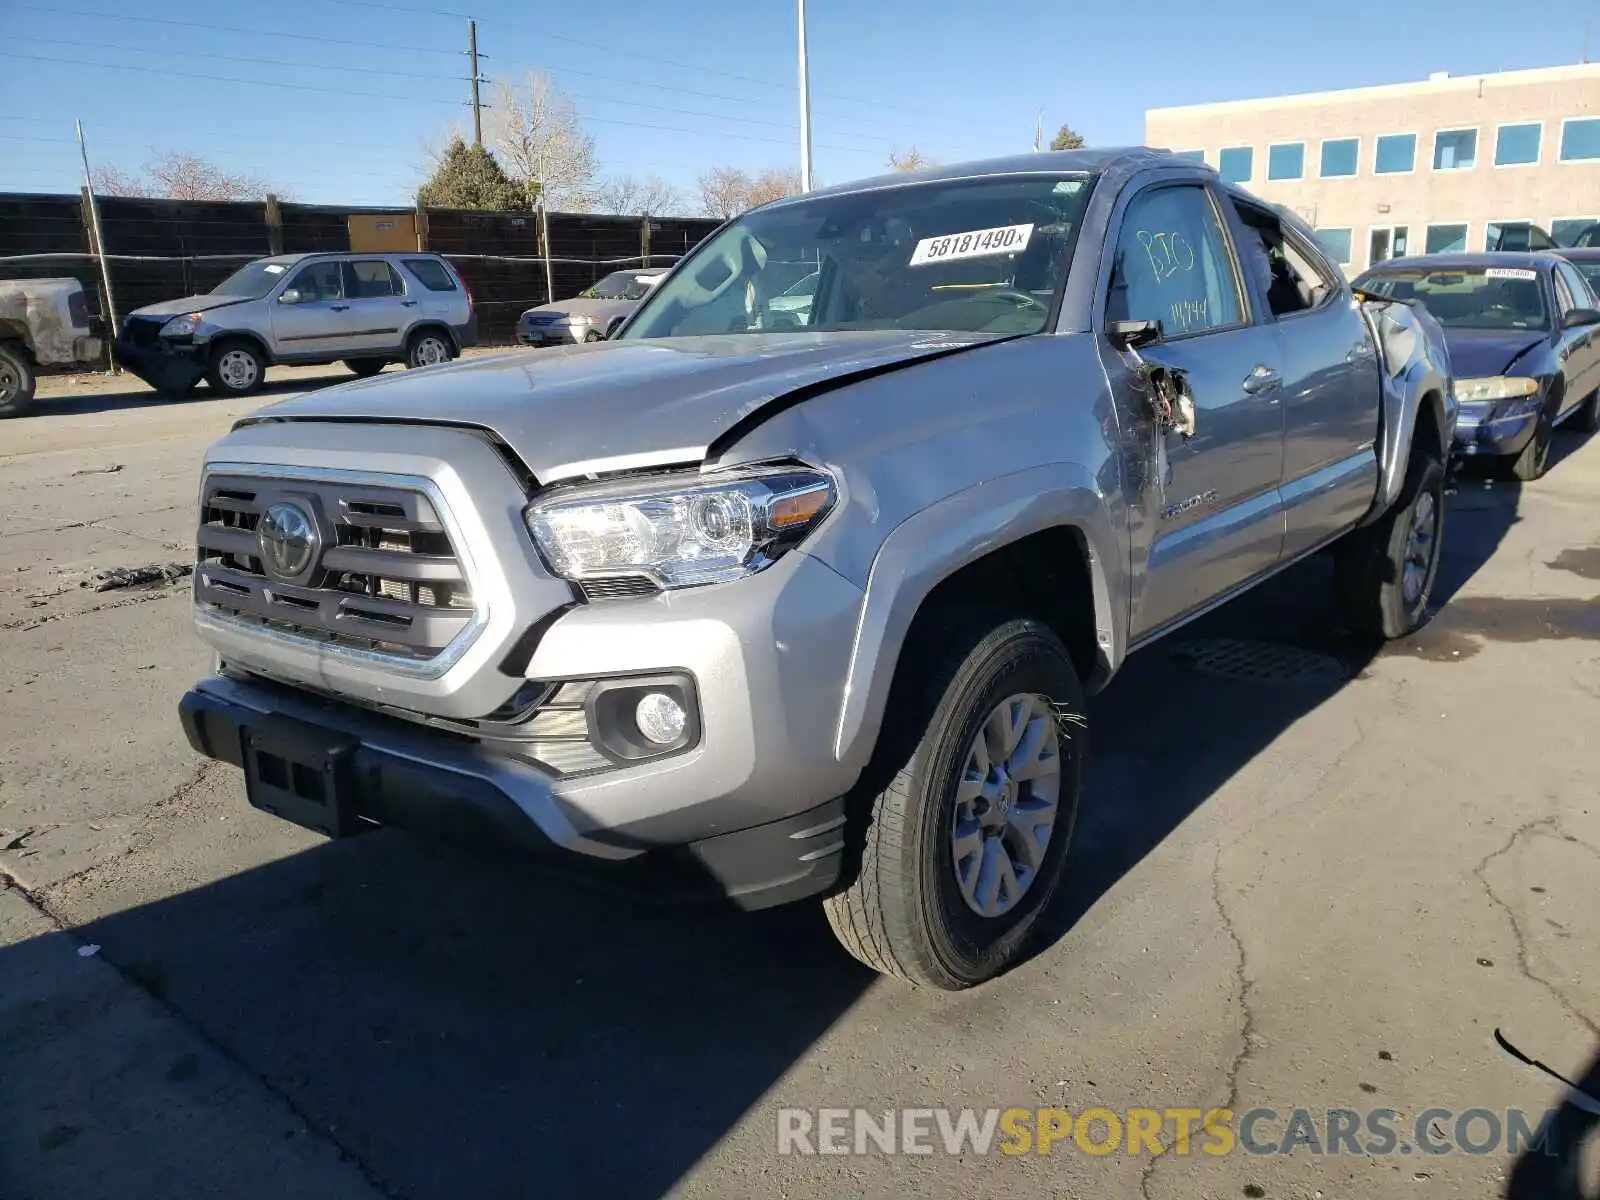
(660, 718)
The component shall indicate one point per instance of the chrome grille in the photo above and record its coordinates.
(386, 579)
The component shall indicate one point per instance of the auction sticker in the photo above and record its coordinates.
(1511, 273)
(975, 243)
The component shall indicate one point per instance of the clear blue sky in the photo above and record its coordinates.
(714, 78)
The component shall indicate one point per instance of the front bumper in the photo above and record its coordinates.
(166, 366)
(443, 785)
(1495, 427)
(551, 335)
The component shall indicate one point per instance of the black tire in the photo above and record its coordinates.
(17, 382)
(237, 367)
(594, 335)
(429, 347)
(366, 367)
(1370, 563)
(1535, 456)
(1587, 418)
(904, 913)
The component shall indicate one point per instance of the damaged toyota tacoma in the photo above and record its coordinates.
(808, 604)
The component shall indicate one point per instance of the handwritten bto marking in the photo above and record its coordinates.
(1168, 253)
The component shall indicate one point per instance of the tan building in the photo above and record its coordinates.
(1455, 163)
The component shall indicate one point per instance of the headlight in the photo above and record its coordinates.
(183, 326)
(682, 532)
(1495, 387)
(577, 319)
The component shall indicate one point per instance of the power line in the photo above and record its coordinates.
(264, 62)
(295, 37)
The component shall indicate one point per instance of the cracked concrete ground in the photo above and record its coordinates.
(1312, 895)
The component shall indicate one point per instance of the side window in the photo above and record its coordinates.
(1582, 293)
(319, 281)
(1171, 264)
(1290, 276)
(431, 274)
(371, 279)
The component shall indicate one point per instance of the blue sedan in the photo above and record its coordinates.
(1524, 338)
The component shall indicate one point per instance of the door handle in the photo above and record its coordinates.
(408, 304)
(338, 307)
(1262, 379)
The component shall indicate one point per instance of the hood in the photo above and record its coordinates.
(1478, 352)
(189, 304)
(603, 309)
(612, 406)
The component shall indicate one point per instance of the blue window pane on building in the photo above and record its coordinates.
(1517, 145)
(1567, 232)
(1580, 140)
(1396, 154)
(1446, 239)
(1339, 157)
(1237, 164)
(1287, 161)
(1455, 149)
(1337, 243)
(1198, 156)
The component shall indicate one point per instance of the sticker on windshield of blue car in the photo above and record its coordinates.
(1511, 273)
(975, 243)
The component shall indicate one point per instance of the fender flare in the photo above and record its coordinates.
(932, 544)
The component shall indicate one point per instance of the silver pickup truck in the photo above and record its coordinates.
(808, 604)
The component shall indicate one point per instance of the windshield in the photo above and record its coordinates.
(1469, 297)
(253, 281)
(619, 285)
(970, 255)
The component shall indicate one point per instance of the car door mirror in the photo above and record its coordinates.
(290, 296)
(1579, 317)
(1130, 335)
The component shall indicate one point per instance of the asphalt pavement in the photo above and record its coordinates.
(1308, 875)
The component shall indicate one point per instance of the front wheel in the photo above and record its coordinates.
(963, 847)
(1535, 456)
(1587, 419)
(17, 382)
(365, 367)
(428, 348)
(236, 368)
(1386, 570)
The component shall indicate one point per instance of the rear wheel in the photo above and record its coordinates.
(966, 843)
(1386, 570)
(366, 366)
(236, 368)
(428, 348)
(16, 382)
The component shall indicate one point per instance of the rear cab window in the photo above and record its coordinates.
(372, 279)
(431, 274)
(1292, 276)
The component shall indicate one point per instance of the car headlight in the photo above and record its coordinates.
(183, 326)
(1495, 387)
(577, 319)
(682, 532)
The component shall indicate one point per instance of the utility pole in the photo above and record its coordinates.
(99, 249)
(805, 105)
(477, 106)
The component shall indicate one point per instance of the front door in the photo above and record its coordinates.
(1211, 518)
(318, 321)
(1387, 241)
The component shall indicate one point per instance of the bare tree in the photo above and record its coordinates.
(911, 159)
(537, 135)
(175, 175)
(630, 196)
(724, 192)
(773, 184)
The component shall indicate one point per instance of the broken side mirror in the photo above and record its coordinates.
(1130, 335)
(290, 296)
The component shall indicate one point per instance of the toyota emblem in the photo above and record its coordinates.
(288, 539)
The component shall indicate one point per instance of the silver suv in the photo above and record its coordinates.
(366, 310)
(808, 602)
